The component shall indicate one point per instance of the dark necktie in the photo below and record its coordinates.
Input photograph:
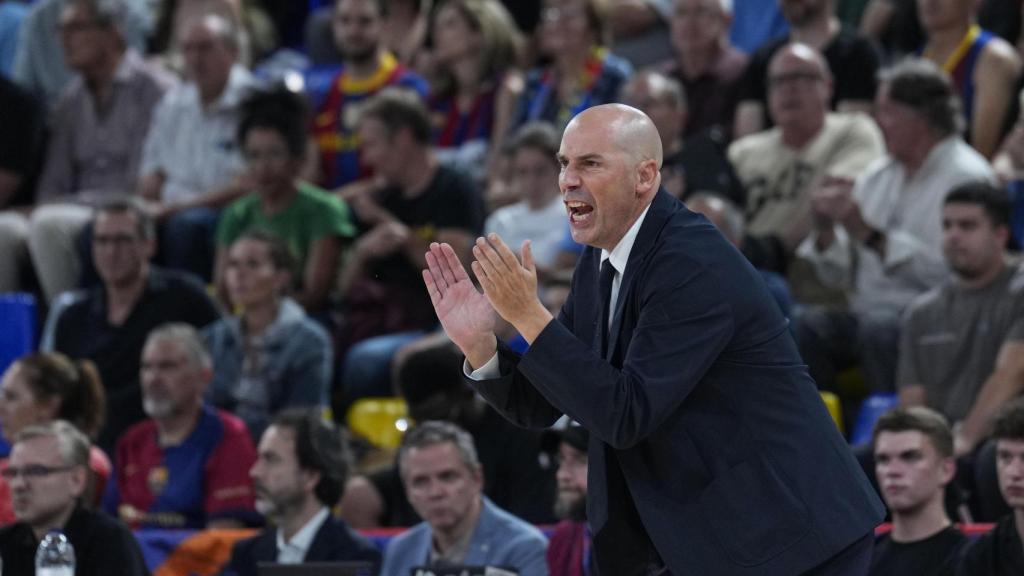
(605, 284)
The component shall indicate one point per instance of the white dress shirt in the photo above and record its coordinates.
(294, 550)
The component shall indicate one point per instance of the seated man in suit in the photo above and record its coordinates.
(48, 473)
(301, 468)
(443, 480)
(913, 450)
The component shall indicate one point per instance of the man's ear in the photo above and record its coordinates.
(948, 470)
(648, 177)
(311, 479)
(150, 249)
(80, 476)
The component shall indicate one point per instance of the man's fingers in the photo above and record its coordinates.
(434, 269)
(435, 294)
(485, 263)
(503, 251)
(454, 264)
(445, 264)
(486, 255)
(485, 281)
(527, 253)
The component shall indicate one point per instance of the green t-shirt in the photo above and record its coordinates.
(312, 215)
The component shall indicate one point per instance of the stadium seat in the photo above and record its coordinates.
(873, 406)
(18, 318)
(381, 421)
(835, 409)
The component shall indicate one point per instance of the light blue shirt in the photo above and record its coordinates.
(11, 15)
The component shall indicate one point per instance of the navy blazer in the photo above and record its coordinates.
(728, 453)
(334, 542)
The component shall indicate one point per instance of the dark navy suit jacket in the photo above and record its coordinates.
(334, 542)
(702, 417)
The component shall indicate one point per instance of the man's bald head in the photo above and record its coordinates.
(610, 160)
(796, 54)
(629, 129)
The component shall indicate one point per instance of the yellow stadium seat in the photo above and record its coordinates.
(834, 409)
(382, 421)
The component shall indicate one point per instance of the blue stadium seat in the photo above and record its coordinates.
(18, 318)
(873, 406)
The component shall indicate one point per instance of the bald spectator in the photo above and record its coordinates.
(985, 68)
(190, 161)
(709, 67)
(690, 164)
(879, 238)
(852, 58)
(782, 166)
(97, 135)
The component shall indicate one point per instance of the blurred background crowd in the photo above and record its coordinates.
(217, 210)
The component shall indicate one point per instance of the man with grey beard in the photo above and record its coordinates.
(186, 466)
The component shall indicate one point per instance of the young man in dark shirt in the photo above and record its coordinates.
(914, 462)
(1001, 551)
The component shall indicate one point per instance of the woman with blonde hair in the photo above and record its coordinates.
(473, 82)
(40, 388)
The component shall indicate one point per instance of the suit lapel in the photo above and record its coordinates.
(324, 545)
(657, 215)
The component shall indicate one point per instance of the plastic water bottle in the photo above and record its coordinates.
(55, 555)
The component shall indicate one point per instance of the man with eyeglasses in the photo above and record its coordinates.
(96, 134)
(781, 166)
(48, 472)
(109, 322)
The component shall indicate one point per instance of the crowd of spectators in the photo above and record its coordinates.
(222, 207)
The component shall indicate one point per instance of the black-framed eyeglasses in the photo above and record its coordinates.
(32, 471)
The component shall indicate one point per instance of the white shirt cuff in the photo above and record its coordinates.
(488, 371)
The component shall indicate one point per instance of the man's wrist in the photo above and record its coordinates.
(482, 351)
(530, 326)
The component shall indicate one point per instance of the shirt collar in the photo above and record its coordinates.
(303, 539)
(620, 254)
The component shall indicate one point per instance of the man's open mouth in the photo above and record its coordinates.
(578, 211)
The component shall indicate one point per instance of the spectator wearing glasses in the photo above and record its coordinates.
(40, 388)
(48, 474)
(108, 323)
